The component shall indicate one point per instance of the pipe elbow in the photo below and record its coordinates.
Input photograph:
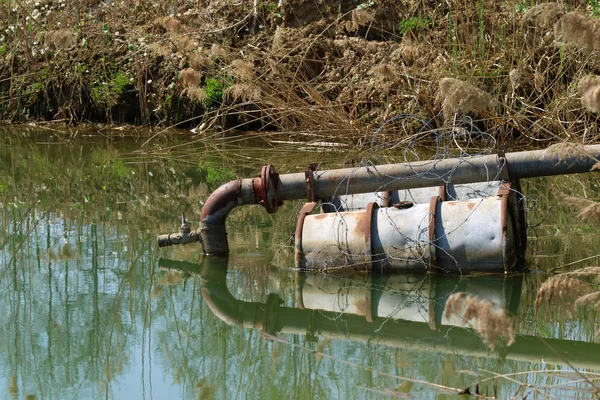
(263, 190)
(213, 234)
(221, 202)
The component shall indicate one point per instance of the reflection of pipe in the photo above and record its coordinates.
(270, 189)
(271, 318)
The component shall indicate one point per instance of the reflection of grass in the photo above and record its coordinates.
(214, 176)
(488, 320)
(109, 161)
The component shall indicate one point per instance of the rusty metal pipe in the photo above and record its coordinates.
(262, 190)
(376, 178)
(219, 204)
(270, 189)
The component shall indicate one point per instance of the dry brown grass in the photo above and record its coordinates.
(591, 213)
(579, 30)
(587, 272)
(577, 288)
(243, 92)
(596, 167)
(190, 77)
(488, 320)
(161, 49)
(589, 300)
(346, 67)
(195, 93)
(218, 51)
(462, 97)
(243, 69)
(61, 39)
(589, 91)
(516, 79)
(565, 152)
(543, 16)
(360, 18)
(563, 288)
(200, 62)
(170, 24)
(185, 44)
(385, 71)
(589, 209)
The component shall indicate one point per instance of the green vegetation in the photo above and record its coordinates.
(108, 91)
(336, 75)
(524, 5)
(120, 82)
(214, 88)
(415, 24)
(594, 8)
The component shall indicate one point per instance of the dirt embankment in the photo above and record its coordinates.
(322, 67)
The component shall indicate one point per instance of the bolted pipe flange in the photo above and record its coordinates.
(266, 189)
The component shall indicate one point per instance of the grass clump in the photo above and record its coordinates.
(589, 91)
(579, 289)
(462, 97)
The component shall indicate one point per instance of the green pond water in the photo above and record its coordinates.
(91, 308)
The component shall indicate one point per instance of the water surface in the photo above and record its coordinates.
(91, 308)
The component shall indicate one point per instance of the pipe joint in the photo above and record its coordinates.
(266, 189)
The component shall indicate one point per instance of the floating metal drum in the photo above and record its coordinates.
(485, 234)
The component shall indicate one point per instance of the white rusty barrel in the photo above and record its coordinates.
(484, 234)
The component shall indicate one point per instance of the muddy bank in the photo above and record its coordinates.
(327, 68)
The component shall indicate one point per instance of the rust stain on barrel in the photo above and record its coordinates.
(470, 205)
(320, 216)
(361, 228)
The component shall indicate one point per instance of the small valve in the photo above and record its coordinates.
(184, 236)
(184, 229)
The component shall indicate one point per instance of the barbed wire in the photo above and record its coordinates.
(463, 140)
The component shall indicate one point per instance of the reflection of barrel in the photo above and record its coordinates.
(478, 234)
(400, 297)
(272, 317)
